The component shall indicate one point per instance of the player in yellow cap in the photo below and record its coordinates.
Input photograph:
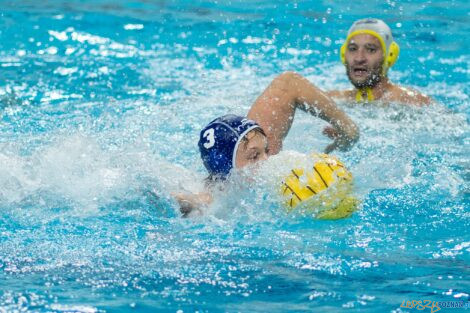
(368, 52)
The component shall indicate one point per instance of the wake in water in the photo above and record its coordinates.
(75, 171)
(408, 146)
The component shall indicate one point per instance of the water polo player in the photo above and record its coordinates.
(368, 52)
(232, 141)
(229, 142)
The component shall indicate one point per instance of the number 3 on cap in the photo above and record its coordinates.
(209, 136)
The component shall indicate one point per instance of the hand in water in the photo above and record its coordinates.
(330, 132)
(340, 142)
(190, 203)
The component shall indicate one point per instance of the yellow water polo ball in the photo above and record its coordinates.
(323, 189)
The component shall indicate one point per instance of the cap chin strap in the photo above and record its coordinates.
(365, 90)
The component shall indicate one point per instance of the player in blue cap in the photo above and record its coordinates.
(232, 141)
(220, 141)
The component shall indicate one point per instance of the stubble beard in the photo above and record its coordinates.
(374, 78)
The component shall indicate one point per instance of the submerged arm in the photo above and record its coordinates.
(190, 203)
(274, 110)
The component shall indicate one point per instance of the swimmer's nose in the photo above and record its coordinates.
(264, 157)
(360, 57)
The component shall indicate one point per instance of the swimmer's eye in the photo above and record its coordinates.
(371, 50)
(255, 156)
(352, 48)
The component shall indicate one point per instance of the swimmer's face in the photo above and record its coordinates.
(253, 148)
(364, 58)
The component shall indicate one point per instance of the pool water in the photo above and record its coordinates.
(100, 111)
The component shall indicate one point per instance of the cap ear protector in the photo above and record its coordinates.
(390, 54)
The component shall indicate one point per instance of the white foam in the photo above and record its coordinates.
(73, 308)
(77, 169)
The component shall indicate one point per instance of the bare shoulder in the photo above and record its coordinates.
(409, 96)
(340, 94)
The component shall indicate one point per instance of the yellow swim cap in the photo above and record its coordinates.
(379, 30)
(323, 190)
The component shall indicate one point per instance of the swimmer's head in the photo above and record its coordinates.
(231, 141)
(368, 52)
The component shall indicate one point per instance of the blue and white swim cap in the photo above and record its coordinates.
(219, 140)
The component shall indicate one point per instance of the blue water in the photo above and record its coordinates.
(101, 105)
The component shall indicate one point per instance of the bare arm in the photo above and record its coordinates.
(337, 94)
(274, 110)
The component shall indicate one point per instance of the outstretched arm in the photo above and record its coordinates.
(274, 111)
